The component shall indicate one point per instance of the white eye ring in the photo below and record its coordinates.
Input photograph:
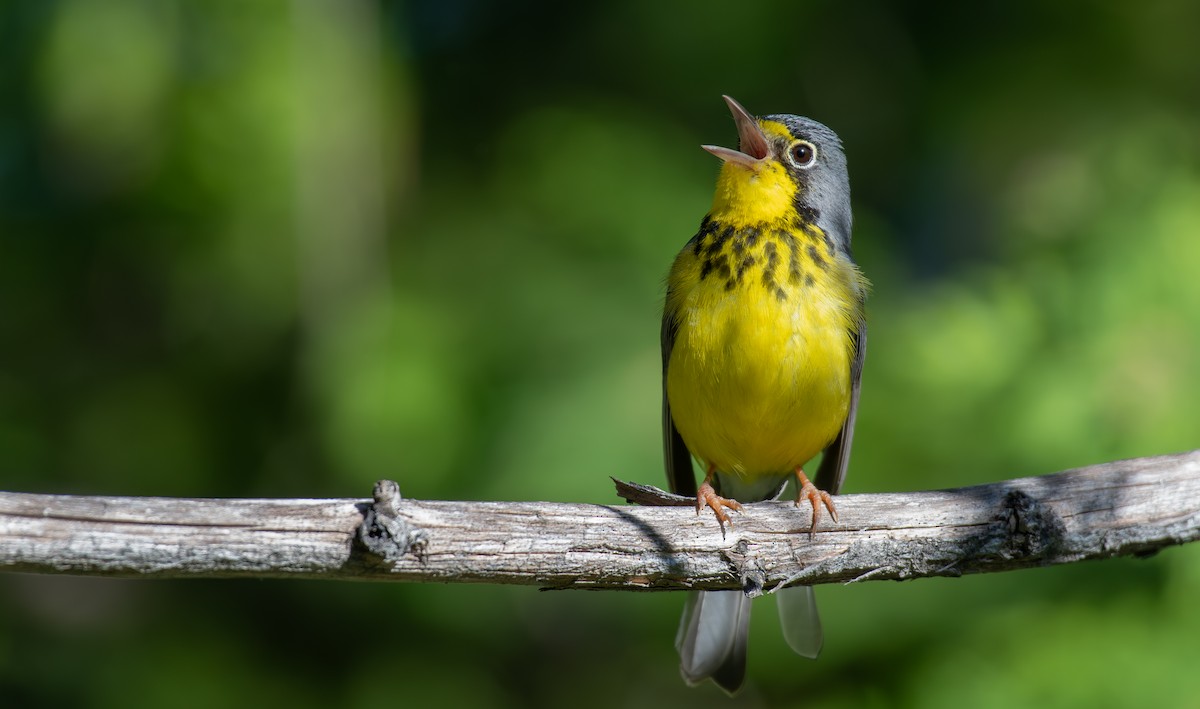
(802, 154)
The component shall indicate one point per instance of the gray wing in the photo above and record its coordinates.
(832, 472)
(678, 461)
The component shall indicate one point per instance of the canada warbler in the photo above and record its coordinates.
(763, 340)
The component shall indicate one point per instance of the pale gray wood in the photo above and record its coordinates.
(1132, 507)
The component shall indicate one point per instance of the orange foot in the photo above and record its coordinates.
(707, 496)
(816, 497)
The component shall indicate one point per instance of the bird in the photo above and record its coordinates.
(763, 342)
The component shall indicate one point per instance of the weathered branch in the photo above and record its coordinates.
(1132, 507)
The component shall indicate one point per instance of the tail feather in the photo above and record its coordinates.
(712, 639)
(801, 624)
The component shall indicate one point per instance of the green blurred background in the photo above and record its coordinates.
(285, 249)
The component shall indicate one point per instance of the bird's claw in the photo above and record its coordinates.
(808, 491)
(706, 496)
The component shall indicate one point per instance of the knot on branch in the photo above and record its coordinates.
(747, 567)
(383, 532)
(1033, 529)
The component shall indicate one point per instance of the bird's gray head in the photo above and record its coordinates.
(813, 156)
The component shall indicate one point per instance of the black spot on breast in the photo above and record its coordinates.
(794, 270)
(718, 241)
(714, 263)
(772, 255)
(701, 239)
(780, 294)
(743, 265)
(808, 279)
(722, 269)
(816, 256)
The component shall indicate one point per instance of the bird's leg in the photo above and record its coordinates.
(707, 496)
(806, 490)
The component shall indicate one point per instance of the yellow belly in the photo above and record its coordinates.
(758, 379)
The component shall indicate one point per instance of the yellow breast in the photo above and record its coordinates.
(758, 378)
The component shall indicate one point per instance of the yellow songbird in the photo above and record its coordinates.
(763, 339)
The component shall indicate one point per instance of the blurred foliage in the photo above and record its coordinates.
(285, 249)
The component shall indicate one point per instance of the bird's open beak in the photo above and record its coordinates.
(753, 144)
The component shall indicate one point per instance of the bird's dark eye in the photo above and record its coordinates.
(804, 154)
